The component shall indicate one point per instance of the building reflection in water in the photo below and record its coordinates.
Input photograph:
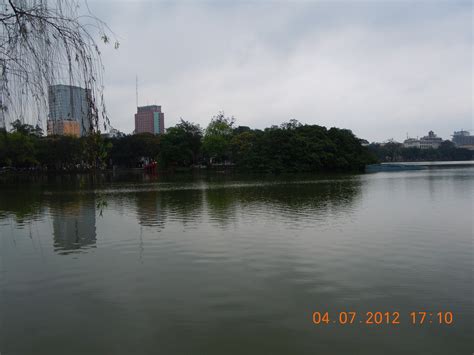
(74, 226)
(149, 210)
(219, 203)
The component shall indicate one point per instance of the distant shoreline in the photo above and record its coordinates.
(221, 170)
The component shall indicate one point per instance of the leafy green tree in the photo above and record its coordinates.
(96, 150)
(217, 138)
(291, 124)
(26, 129)
(19, 150)
(295, 147)
(241, 129)
(388, 152)
(246, 150)
(130, 150)
(180, 145)
(61, 153)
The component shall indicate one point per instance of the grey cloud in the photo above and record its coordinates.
(379, 69)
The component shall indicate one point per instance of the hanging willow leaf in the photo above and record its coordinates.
(48, 42)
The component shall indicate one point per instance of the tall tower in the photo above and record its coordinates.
(69, 106)
(149, 119)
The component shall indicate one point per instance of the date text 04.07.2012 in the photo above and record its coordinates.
(379, 318)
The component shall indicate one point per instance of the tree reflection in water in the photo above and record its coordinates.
(72, 203)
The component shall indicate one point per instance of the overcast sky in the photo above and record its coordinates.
(381, 69)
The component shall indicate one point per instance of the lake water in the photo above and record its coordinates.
(236, 264)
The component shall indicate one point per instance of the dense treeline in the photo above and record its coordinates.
(395, 152)
(290, 147)
(296, 147)
(25, 148)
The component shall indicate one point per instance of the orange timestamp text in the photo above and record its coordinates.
(382, 318)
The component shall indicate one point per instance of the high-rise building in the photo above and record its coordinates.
(68, 103)
(149, 119)
(463, 139)
(64, 128)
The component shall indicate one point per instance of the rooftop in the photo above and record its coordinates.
(149, 108)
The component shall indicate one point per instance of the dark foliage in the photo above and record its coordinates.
(129, 151)
(180, 145)
(25, 148)
(296, 148)
(395, 152)
(291, 147)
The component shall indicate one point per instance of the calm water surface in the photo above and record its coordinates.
(235, 265)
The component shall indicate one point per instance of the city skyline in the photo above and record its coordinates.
(381, 70)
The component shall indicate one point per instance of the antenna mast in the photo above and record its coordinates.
(136, 89)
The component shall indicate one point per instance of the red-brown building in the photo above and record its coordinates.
(149, 119)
